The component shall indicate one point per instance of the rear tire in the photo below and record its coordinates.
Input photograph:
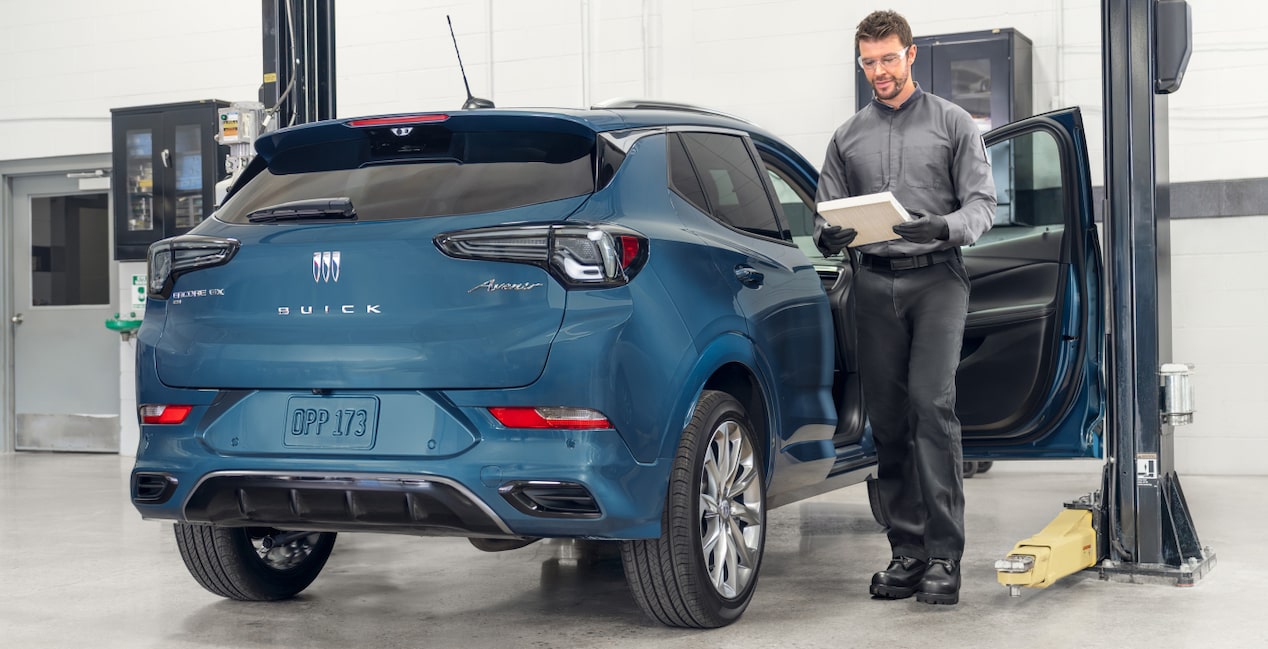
(253, 564)
(703, 569)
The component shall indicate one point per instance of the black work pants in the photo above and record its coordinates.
(910, 329)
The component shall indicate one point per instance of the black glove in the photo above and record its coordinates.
(834, 239)
(924, 229)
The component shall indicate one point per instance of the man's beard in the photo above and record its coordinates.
(898, 84)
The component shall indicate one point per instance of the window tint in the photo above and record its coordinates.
(731, 183)
(70, 255)
(682, 177)
(430, 172)
(1028, 186)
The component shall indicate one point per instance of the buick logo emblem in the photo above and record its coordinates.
(326, 266)
(402, 131)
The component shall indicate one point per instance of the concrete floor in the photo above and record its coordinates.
(79, 568)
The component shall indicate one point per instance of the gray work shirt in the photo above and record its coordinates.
(929, 153)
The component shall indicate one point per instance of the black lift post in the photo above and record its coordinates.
(1149, 533)
(299, 61)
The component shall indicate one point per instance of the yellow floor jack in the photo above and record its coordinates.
(1067, 545)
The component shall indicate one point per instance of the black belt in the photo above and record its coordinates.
(909, 263)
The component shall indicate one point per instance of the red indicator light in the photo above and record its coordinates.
(551, 418)
(151, 414)
(399, 119)
(629, 250)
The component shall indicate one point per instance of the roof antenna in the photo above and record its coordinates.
(472, 102)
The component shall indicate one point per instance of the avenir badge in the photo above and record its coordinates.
(493, 285)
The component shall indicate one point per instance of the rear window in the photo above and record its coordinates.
(430, 171)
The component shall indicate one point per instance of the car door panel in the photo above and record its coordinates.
(1007, 356)
(794, 189)
(1022, 287)
(1032, 336)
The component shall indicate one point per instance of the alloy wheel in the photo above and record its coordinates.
(732, 510)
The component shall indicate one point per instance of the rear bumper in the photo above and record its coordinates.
(228, 466)
(386, 503)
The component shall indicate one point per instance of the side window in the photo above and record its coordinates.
(731, 183)
(682, 176)
(798, 209)
(1028, 187)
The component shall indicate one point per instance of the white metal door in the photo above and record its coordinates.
(66, 363)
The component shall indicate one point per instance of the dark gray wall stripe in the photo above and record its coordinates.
(1209, 199)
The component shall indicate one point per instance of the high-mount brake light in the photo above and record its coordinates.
(399, 120)
(551, 418)
(164, 414)
(579, 255)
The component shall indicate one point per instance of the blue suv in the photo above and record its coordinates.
(508, 325)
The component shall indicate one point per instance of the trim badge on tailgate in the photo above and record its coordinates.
(494, 285)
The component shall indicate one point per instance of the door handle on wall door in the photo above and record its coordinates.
(17, 319)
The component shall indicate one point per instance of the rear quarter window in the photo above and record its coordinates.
(729, 180)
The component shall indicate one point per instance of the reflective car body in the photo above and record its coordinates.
(497, 324)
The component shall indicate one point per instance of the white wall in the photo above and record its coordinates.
(785, 64)
(1219, 316)
(68, 62)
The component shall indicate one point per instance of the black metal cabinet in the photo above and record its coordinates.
(988, 73)
(166, 164)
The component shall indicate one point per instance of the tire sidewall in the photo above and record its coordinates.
(718, 409)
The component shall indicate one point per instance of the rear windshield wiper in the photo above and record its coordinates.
(312, 208)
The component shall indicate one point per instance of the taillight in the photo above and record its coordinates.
(164, 414)
(551, 417)
(170, 258)
(580, 255)
(631, 248)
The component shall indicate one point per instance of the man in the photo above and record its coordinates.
(911, 299)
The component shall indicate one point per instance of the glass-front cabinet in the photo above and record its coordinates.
(987, 73)
(166, 165)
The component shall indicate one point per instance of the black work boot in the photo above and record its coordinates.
(941, 583)
(899, 580)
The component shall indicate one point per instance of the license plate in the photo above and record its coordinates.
(331, 422)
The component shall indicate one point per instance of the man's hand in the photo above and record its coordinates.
(923, 229)
(835, 238)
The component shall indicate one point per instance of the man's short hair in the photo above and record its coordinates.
(880, 25)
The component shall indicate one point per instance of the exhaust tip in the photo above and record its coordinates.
(551, 499)
(152, 488)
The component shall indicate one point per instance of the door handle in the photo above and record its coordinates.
(748, 276)
(17, 319)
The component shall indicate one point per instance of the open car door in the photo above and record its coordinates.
(1030, 382)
